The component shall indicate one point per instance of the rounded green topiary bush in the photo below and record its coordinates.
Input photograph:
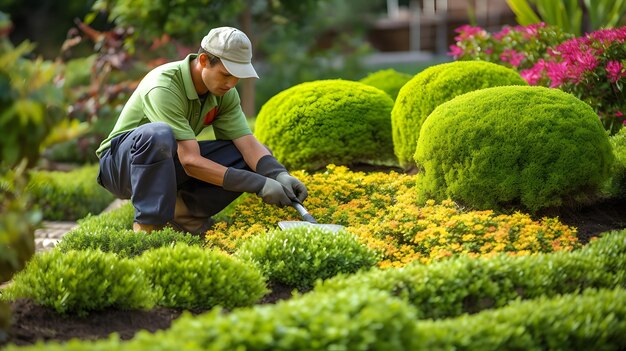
(193, 277)
(313, 124)
(510, 147)
(434, 86)
(388, 80)
(616, 187)
(299, 256)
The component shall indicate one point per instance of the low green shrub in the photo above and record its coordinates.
(348, 320)
(111, 232)
(434, 86)
(67, 196)
(388, 80)
(513, 147)
(120, 218)
(467, 285)
(334, 121)
(593, 320)
(125, 243)
(194, 277)
(301, 255)
(77, 282)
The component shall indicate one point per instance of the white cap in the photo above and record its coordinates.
(233, 48)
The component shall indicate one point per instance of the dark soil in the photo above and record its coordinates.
(31, 322)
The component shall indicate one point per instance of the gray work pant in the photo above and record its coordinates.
(142, 165)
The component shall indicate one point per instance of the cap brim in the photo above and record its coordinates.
(240, 70)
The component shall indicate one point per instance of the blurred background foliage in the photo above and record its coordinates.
(106, 46)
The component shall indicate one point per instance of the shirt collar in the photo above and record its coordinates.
(190, 90)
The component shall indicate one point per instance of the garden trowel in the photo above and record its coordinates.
(308, 220)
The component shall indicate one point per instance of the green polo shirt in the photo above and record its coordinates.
(166, 94)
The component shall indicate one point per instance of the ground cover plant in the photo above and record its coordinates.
(383, 211)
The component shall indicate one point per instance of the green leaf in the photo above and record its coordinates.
(524, 13)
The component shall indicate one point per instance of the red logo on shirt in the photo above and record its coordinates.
(210, 116)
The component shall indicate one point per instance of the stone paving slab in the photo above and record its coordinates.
(52, 232)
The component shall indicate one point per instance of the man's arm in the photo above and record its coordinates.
(251, 149)
(259, 158)
(232, 179)
(197, 166)
(212, 172)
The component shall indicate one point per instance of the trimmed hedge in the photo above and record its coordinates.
(77, 282)
(372, 320)
(192, 277)
(388, 80)
(347, 320)
(68, 196)
(110, 232)
(434, 86)
(467, 285)
(591, 321)
(334, 121)
(513, 147)
(299, 256)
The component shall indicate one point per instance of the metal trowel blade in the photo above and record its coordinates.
(334, 228)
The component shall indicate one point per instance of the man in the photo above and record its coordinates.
(152, 155)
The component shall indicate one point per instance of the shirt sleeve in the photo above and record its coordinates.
(163, 105)
(231, 122)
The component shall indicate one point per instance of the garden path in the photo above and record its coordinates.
(52, 232)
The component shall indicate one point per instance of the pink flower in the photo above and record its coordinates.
(513, 57)
(608, 35)
(530, 30)
(534, 74)
(455, 51)
(503, 33)
(468, 31)
(557, 72)
(614, 70)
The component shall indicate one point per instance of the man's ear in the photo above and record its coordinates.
(203, 59)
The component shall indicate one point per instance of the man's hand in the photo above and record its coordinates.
(275, 193)
(271, 168)
(270, 191)
(294, 185)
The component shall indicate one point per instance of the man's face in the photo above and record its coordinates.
(217, 79)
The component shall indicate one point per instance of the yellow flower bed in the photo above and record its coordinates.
(381, 209)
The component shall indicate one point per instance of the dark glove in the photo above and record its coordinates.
(271, 168)
(270, 190)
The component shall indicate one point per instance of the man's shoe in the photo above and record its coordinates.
(147, 228)
(195, 226)
(185, 222)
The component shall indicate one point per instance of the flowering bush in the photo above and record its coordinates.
(518, 47)
(381, 209)
(591, 68)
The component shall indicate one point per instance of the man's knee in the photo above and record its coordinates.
(159, 137)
